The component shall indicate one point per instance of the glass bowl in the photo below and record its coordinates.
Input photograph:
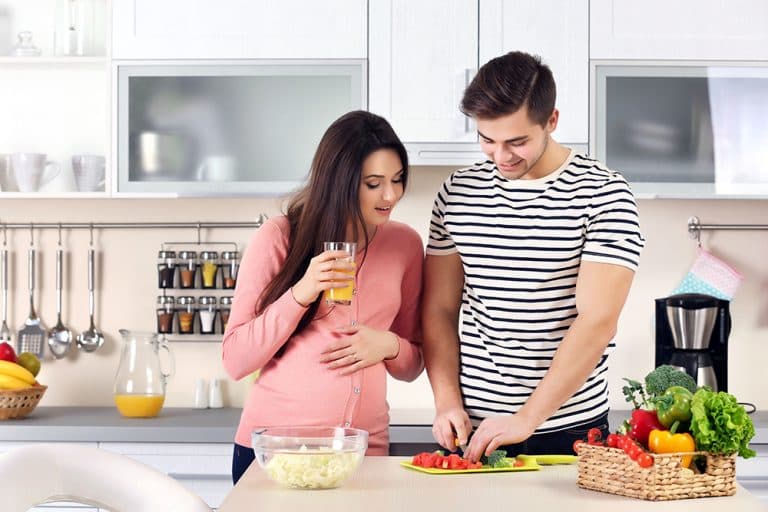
(309, 457)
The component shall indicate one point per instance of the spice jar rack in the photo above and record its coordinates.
(196, 281)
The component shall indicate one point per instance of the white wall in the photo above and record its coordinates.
(127, 286)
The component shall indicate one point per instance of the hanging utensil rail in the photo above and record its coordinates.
(695, 227)
(134, 225)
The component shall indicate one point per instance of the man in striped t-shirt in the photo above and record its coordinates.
(531, 256)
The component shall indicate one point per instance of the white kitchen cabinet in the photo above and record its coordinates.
(683, 29)
(236, 29)
(753, 473)
(560, 35)
(421, 56)
(203, 468)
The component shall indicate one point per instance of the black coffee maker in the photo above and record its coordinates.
(692, 334)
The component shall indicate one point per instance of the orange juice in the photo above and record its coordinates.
(139, 406)
(344, 294)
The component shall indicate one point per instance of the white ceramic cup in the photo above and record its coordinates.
(64, 181)
(31, 170)
(89, 172)
(217, 168)
(7, 179)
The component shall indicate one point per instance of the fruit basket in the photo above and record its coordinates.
(17, 403)
(612, 471)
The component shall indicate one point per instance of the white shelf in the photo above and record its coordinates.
(57, 61)
(54, 195)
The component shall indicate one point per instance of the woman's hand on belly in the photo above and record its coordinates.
(359, 347)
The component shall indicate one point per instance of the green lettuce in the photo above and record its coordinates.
(720, 425)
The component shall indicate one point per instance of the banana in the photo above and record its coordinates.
(16, 371)
(8, 382)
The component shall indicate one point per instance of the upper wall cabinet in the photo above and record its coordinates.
(683, 29)
(239, 29)
(422, 56)
(559, 34)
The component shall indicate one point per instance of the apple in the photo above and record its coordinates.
(7, 353)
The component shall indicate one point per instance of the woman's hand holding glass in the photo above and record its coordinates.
(359, 347)
(329, 269)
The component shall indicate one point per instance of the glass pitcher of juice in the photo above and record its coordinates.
(140, 381)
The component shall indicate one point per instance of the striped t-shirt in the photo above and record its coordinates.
(521, 243)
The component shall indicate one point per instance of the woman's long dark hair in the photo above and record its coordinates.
(330, 200)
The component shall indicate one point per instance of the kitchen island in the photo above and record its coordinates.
(381, 484)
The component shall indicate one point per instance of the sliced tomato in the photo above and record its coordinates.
(518, 463)
(429, 459)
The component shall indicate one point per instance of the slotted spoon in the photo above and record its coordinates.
(32, 334)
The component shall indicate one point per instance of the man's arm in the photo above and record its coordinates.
(601, 291)
(443, 285)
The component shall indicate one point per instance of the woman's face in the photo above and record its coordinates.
(381, 187)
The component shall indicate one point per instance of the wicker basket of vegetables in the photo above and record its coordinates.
(680, 442)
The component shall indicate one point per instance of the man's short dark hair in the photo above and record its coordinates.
(506, 84)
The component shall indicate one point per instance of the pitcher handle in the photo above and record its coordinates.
(164, 345)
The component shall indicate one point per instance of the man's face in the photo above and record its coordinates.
(515, 143)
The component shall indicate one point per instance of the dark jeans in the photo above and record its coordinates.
(557, 443)
(241, 459)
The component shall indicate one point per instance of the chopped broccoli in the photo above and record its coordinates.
(497, 459)
(658, 380)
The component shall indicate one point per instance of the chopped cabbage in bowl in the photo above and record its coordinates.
(320, 468)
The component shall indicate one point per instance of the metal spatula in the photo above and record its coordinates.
(32, 334)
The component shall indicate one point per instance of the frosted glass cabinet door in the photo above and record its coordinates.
(227, 127)
(562, 42)
(237, 29)
(422, 55)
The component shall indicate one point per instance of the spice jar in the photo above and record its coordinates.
(230, 264)
(225, 304)
(207, 313)
(166, 308)
(166, 268)
(186, 315)
(187, 263)
(209, 267)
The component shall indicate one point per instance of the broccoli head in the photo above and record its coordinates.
(497, 459)
(658, 380)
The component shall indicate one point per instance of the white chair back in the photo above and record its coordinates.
(41, 473)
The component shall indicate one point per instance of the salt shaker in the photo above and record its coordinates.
(215, 400)
(201, 394)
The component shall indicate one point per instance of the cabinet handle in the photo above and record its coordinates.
(469, 74)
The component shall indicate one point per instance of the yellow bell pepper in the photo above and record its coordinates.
(664, 441)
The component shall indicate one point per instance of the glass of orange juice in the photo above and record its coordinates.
(343, 293)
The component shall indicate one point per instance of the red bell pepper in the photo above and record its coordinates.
(642, 423)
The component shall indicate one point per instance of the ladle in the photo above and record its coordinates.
(90, 339)
(59, 337)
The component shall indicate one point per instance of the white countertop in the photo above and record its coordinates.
(381, 484)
